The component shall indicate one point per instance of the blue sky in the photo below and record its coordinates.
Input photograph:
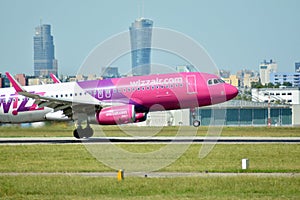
(236, 33)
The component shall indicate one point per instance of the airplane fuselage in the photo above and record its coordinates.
(144, 93)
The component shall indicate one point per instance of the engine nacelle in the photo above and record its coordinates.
(119, 115)
(140, 117)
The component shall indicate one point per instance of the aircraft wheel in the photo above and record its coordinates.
(76, 134)
(196, 123)
(88, 132)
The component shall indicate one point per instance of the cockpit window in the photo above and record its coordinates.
(215, 81)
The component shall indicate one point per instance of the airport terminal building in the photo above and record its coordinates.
(231, 113)
(248, 113)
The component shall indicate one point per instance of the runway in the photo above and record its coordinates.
(146, 140)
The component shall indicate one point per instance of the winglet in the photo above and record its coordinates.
(18, 87)
(54, 78)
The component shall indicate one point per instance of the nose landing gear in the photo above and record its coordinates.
(196, 123)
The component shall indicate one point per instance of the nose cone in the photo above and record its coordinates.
(231, 92)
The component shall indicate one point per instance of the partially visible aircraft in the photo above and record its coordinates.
(54, 78)
(111, 101)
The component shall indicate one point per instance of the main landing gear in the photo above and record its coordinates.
(80, 132)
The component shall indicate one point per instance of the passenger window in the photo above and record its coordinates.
(210, 82)
(215, 81)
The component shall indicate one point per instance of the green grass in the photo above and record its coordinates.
(223, 158)
(50, 130)
(48, 158)
(66, 130)
(77, 187)
(227, 158)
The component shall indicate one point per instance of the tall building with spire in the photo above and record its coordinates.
(140, 37)
(43, 46)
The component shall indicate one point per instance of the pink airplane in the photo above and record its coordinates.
(111, 101)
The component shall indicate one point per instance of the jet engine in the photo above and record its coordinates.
(119, 115)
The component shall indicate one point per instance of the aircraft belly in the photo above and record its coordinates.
(34, 116)
(4, 118)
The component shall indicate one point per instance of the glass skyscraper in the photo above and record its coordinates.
(44, 60)
(140, 37)
(297, 67)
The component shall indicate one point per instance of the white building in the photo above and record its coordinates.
(265, 69)
(277, 95)
(167, 118)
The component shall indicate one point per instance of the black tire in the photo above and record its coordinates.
(76, 134)
(196, 123)
(88, 132)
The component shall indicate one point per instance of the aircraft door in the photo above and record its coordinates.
(191, 84)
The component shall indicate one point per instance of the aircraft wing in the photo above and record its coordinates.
(87, 103)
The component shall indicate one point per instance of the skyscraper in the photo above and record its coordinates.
(44, 60)
(140, 37)
(265, 69)
(297, 67)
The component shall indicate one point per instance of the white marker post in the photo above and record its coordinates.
(245, 163)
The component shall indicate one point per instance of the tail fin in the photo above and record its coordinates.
(55, 79)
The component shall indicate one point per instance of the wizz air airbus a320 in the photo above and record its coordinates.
(111, 101)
